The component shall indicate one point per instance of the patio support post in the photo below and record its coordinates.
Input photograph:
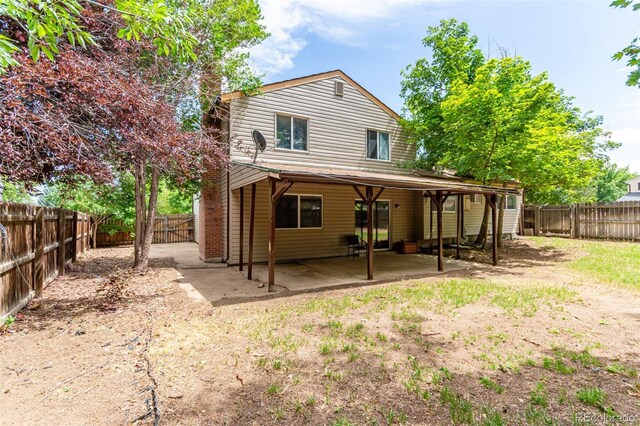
(369, 196)
(272, 234)
(459, 223)
(492, 200)
(273, 199)
(252, 219)
(439, 202)
(370, 199)
(241, 228)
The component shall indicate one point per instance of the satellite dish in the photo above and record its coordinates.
(260, 143)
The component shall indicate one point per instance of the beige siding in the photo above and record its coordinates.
(336, 128)
(195, 208)
(338, 221)
(242, 176)
(634, 184)
(472, 219)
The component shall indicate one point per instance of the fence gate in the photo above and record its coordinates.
(172, 228)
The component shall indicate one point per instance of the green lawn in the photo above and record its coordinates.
(610, 262)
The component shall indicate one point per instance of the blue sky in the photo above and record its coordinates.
(373, 40)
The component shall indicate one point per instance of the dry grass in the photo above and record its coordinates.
(535, 344)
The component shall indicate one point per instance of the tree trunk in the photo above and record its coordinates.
(141, 215)
(481, 239)
(503, 200)
(147, 223)
(94, 234)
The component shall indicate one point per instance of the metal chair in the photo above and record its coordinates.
(354, 245)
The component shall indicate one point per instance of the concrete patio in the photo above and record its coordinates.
(217, 283)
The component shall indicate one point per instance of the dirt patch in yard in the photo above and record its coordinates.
(528, 343)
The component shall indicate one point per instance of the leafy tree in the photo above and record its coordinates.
(611, 183)
(165, 25)
(174, 200)
(113, 201)
(455, 57)
(523, 129)
(632, 52)
(14, 192)
(501, 124)
(113, 108)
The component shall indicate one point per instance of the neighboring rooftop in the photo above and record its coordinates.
(630, 196)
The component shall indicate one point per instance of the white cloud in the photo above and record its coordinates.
(342, 21)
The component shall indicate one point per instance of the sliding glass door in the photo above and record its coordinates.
(381, 223)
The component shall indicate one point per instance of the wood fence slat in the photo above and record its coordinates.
(38, 241)
(614, 221)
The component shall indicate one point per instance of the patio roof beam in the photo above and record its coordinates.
(362, 196)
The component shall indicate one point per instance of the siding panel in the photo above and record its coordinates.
(336, 132)
(338, 222)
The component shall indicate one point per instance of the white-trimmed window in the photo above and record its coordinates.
(475, 198)
(378, 145)
(449, 205)
(299, 211)
(511, 202)
(292, 132)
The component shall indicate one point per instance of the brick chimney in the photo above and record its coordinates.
(212, 216)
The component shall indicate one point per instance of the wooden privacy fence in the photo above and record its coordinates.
(35, 245)
(613, 221)
(172, 228)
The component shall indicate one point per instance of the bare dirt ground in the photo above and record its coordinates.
(531, 342)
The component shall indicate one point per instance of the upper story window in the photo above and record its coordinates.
(291, 132)
(377, 145)
(475, 198)
(511, 202)
(449, 206)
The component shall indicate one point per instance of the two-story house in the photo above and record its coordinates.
(633, 190)
(331, 167)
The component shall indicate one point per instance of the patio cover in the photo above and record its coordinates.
(409, 180)
(281, 177)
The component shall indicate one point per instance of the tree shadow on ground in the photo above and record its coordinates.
(516, 253)
(334, 390)
(94, 285)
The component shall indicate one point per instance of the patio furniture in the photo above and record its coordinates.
(354, 245)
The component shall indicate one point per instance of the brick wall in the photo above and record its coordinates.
(212, 216)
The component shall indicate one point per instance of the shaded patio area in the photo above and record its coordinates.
(228, 284)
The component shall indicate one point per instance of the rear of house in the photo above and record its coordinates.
(328, 141)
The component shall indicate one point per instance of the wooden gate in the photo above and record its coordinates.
(172, 228)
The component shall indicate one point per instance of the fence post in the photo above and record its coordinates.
(38, 265)
(74, 241)
(62, 236)
(536, 220)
